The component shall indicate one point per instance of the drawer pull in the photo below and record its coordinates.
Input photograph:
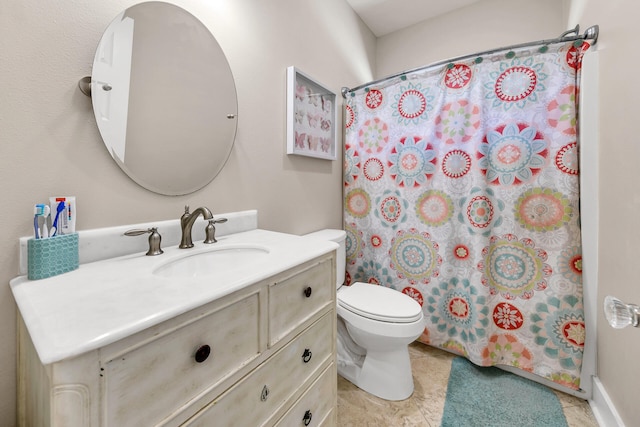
(306, 356)
(307, 291)
(265, 393)
(202, 353)
(307, 417)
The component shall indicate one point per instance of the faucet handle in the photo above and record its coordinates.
(186, 214)
(154, 239)
(210, 230)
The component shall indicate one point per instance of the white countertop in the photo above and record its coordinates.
(104, 301)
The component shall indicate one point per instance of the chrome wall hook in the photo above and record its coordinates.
(85, 85)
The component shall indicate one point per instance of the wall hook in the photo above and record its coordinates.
(85, 85)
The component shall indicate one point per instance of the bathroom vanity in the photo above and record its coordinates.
(144, 341)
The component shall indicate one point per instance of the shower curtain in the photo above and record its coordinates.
(462, 191)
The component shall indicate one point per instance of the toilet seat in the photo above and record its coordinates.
(379, 303)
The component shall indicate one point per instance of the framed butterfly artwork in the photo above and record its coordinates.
(311, 117)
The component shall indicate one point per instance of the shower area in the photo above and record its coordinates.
(462, 189)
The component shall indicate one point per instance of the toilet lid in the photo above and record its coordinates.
(379, 303)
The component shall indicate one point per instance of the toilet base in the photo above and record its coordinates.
(386, 375)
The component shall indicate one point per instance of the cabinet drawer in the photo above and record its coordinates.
(315, 406)
(256, 398)
(294, 300)
(164, 375)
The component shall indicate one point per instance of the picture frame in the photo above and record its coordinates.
(311, 117)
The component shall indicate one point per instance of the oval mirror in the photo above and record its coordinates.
(164, 98)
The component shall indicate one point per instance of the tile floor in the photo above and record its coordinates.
(424, 408)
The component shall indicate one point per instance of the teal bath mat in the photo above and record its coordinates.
(491, 397)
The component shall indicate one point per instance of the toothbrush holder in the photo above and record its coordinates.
(52, 256)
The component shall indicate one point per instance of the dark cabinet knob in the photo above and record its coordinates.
(306, 356)
(307, 291)
(307, 417)
(264, 395)
(202, 353)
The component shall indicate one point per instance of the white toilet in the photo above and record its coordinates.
(375, 326)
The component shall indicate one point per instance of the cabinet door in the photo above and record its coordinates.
(166, 374)
(269, 388)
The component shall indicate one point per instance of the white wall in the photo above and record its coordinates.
(484, 25)
(619, 195)
(49, 142)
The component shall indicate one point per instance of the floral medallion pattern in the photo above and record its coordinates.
(570, 264)
(351, 167)
(354, 244)
(411, 162)
(561, 329)
(516, 83)
(567, 159)
(373, 135)
(575, 54)
(413, 104)
(507, 316)
(457, 76)
(349, 117)
(542, 209)
(514, 268)
(481, 211)
(456, 164)
(457, 309)
(376, 241)
(461, 190)
(561, 112)
(373, 169)
(506, 349)
(373, 99)
(391, 209)
(458, 122)
(357, 202)
(512, 154)
(374, 273)
(414, 256)
(434, 208)
(460, 253)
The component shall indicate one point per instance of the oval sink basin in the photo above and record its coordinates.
(213, 262)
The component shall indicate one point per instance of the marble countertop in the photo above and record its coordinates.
(104, 301)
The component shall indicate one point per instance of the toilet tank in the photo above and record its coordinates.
(338, 236)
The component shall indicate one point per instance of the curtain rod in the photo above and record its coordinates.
(590, 34)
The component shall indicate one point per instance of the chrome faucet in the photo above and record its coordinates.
(186, 224)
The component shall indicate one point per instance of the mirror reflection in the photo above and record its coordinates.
(164, 98)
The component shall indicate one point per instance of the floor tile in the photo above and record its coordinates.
(358, 409)
(430, 367)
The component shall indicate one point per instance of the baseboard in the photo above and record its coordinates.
(603, 410)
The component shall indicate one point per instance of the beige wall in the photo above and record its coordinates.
(619, 195)
(49, 142)
(484, 25)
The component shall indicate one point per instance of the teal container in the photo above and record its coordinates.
(52, 256)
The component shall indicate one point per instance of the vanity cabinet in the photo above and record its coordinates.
(263, 355)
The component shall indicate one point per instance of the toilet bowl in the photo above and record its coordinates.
(375, 326)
